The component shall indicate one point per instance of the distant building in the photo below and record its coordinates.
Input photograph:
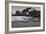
(28, 12)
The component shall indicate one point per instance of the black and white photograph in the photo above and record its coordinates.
(25, 17)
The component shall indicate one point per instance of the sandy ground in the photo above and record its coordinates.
(20, 22)
(25, 24)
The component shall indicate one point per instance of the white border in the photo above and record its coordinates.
(25, 28)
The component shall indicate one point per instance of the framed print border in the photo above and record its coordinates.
(25, 28)
(7, 16)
